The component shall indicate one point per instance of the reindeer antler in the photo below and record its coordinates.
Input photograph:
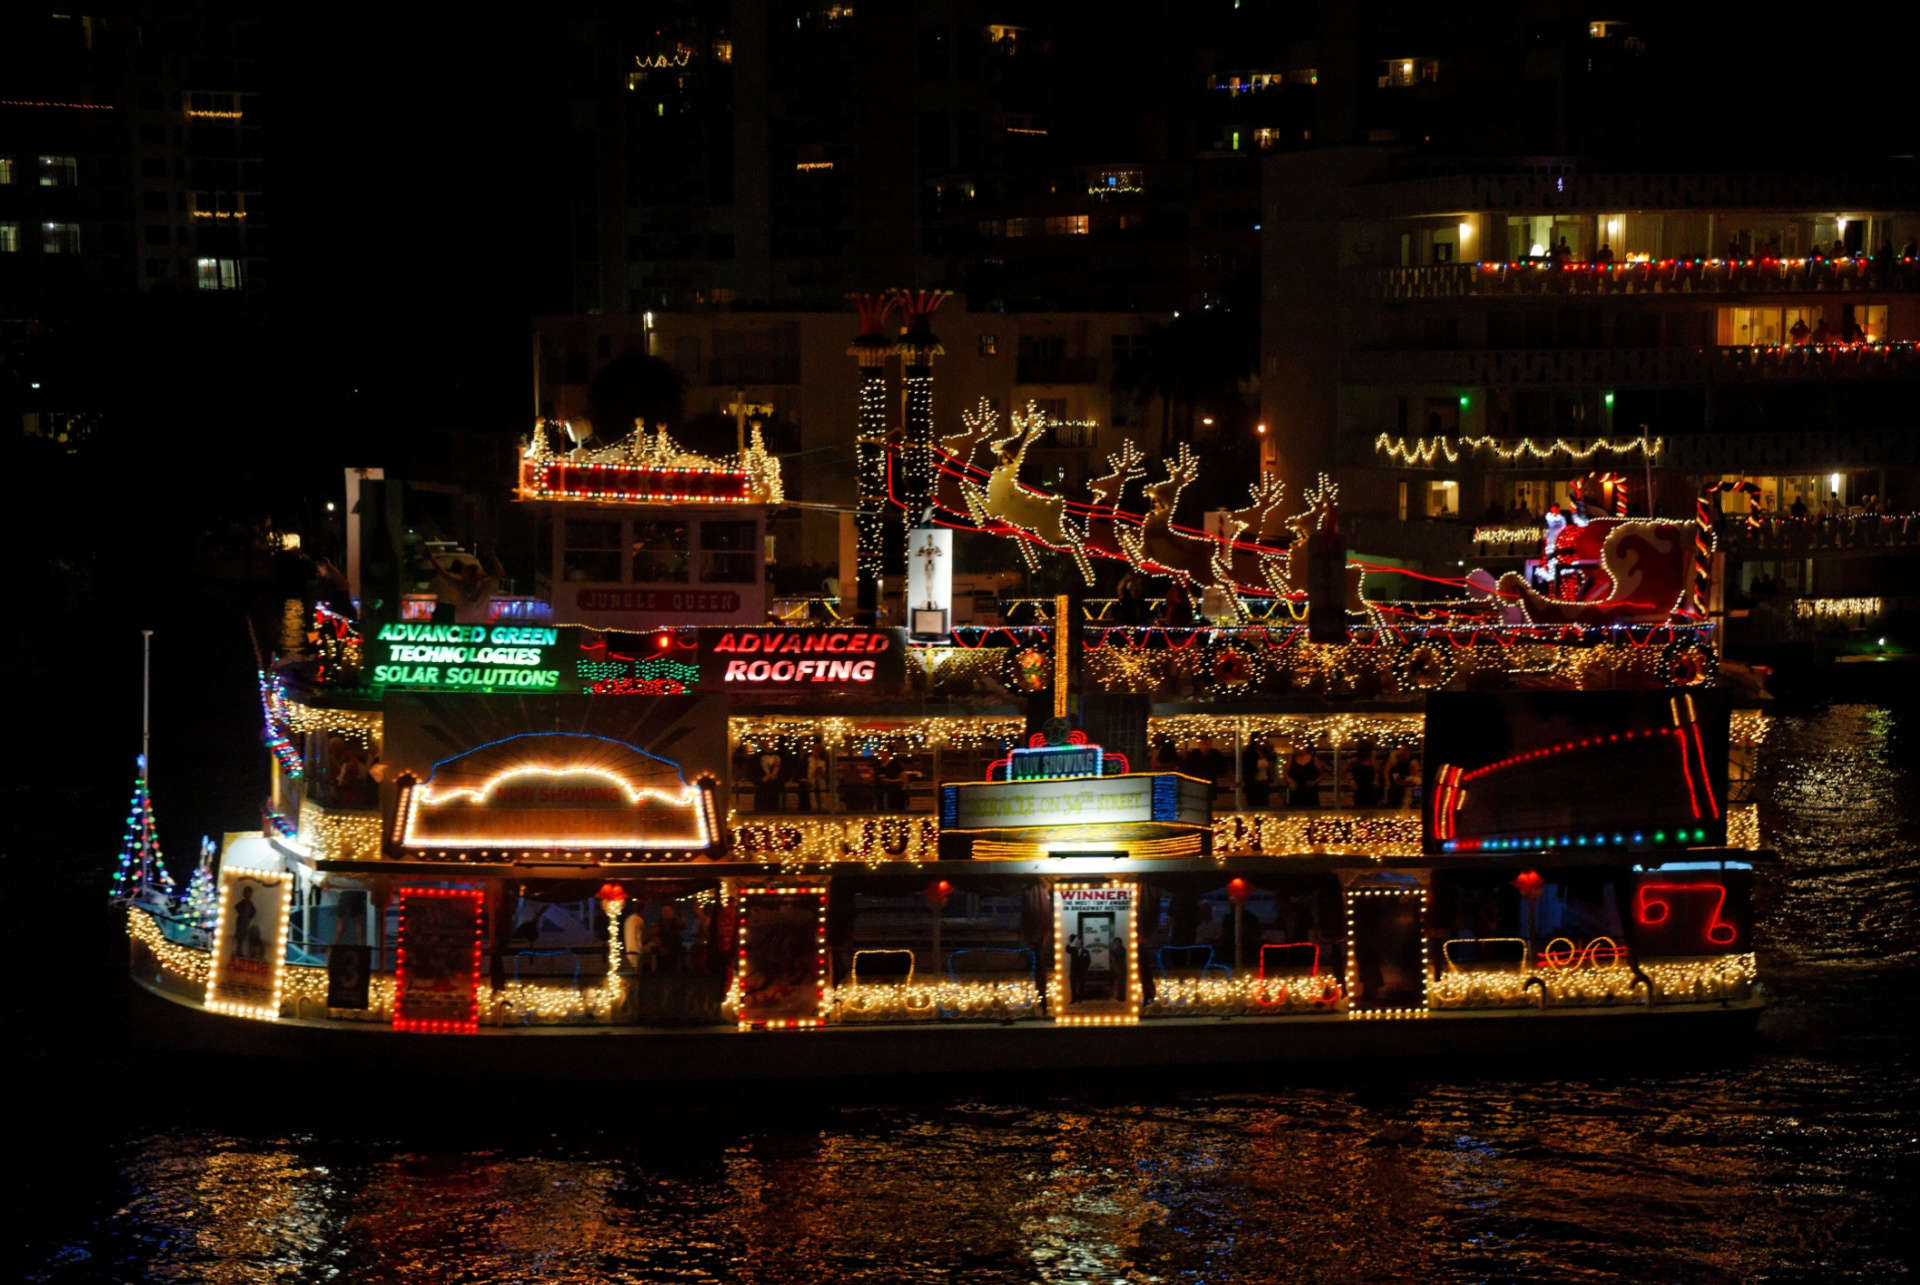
(977, 425)
(1125, 464)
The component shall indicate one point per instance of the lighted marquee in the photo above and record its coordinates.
(1137, 813)
(568, 791)
(250, 944)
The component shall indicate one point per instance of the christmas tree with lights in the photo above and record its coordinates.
(142, 870)
(201, 904)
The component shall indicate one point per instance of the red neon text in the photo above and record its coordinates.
(788, 671)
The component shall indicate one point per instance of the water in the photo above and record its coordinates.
(1798, 1162)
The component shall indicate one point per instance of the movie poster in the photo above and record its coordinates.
(781, 971)
(438, 978)
(250, 948)
(1094, 969)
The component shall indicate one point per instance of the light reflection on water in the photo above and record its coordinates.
(1794, 1163)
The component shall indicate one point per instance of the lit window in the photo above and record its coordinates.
(1068, 225)
(1265, 138)
(9, 238)
(591, 550)
(59, 171)
(6, 169)
(1020, 227)
(60, 238)
(1399, 73)
(990, 229)
(727, 555)
(219, 274)
(659, 552)
(989, 345)
(1115, 182)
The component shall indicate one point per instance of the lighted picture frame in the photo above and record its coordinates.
(1094, 924)
(780, 969)
(437, 977)
(248, 972)
(1388, 972)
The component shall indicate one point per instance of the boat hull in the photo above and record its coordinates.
(704, 1054)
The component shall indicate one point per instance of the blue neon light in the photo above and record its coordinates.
(583, 736)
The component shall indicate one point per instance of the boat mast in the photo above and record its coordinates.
(146, 699)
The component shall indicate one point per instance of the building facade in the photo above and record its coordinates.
(1459, 347)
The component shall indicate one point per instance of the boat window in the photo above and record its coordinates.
(592, 551)
(659, 552)
(727, 555)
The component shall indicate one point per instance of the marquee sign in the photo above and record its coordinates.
(766, 661)
(541, 794)
(448, 657)
(1123, 810)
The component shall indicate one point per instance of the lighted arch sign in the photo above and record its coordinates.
(543, 793)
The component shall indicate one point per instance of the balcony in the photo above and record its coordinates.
(1641, 367)
(1786, 536)
(1539, 279)
(1057, 370)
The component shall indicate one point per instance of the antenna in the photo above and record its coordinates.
(146, 702)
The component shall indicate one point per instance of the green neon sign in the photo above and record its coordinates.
(408, 653)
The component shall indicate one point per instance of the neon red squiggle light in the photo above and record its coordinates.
(1644, 907)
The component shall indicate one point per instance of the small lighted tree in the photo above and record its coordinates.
(201, 905)
(142, 870)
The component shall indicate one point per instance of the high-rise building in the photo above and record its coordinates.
(132, 157)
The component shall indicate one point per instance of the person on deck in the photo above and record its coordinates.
(1303, 779)
(1365, 775)
(1257, 771)
(768, 781)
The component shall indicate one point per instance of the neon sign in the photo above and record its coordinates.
(775, 658)
(410, 653)
(1652, 911)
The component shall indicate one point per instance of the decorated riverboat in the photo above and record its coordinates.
(652, 824)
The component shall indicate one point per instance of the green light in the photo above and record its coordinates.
(1699, 834)
(1659, 836)
(1609, 400)
(1464, 401)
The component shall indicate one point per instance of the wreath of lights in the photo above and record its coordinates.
(1424, 667)
(1686, 663)
(1234, 669)
(1028, 669)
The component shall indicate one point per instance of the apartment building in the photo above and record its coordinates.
(1459, 344)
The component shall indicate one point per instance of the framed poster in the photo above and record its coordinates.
(781, 969)
(1387, 952)
(1096, 954)
(437, 982)
(349, 973)
(250, 943)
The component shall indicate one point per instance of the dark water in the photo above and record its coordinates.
(1796, 1163)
